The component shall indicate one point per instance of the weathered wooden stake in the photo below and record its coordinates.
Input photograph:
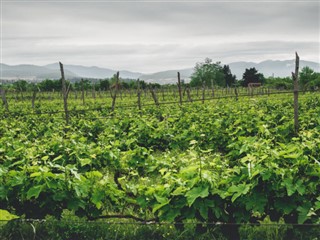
(203, 91)
(33, 98)
(154, 96)
(295, 78)
(114, 95)
(236, 93)
(65, 93)
(139, 95)
(93, 91)
(82, 91)
(212, 88)
(189, 94)
(179, 88)
(162, 90)
(4, 99)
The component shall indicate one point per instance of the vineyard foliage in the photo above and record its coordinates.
(222, 161)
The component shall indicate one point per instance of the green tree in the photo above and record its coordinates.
(309, 79)
(208, 73)
(21, 85)
(229, 78)
(279, 83)
(104, 84)
(251, 75)
(49, 85)
(84, 83)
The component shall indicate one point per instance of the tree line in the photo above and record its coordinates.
(205, 74)
(212, 74)
(83, 84)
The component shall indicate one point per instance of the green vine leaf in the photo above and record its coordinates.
(34, 191)
(202, 191)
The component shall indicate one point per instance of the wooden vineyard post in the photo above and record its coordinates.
(295, 78)
(82, 91)
(99, 93)
(179, 88)
(114, 95)
(162, 90)
(154, 96)
(188, 94)
(4, 99)
(236, 92)
(33, 98)
(203, 91)
(212, 88)
(139, 95)
(65, 93)
(93, 91)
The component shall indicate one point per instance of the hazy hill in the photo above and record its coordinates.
(169, 76)
(52, 71)
(93, 72)
(271, 68)
(31, 72)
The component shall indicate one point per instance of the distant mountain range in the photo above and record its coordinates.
(52, 71)
(272, 68)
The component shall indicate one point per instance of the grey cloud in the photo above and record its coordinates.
(166, 34)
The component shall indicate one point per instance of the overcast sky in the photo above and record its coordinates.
(149, 36)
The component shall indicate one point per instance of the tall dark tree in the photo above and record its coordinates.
(49, 85)
(104, 84)
(229, 78)
(251, 75)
